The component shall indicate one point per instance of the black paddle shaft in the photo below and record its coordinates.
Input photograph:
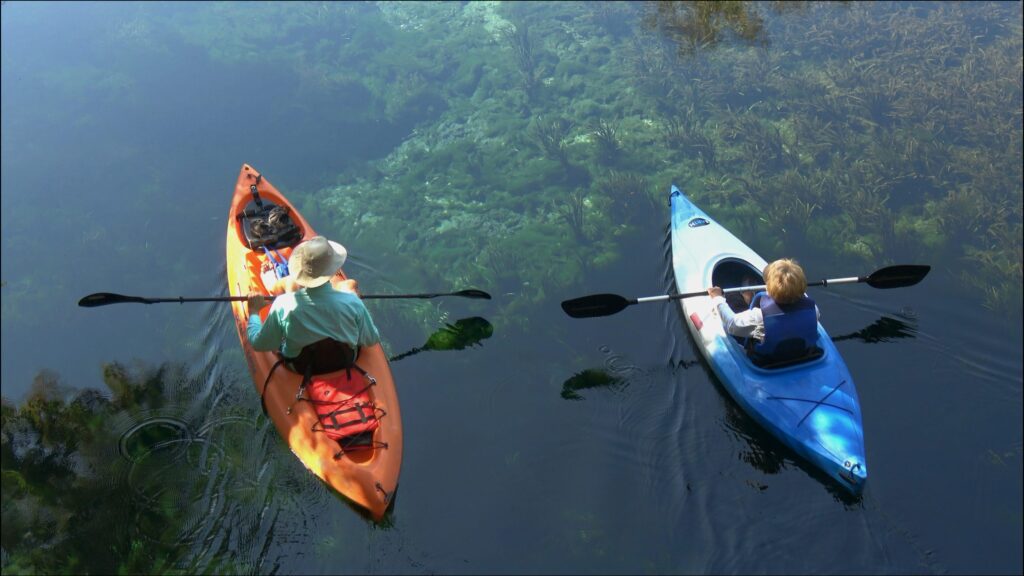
(468, 293)
(105, 298)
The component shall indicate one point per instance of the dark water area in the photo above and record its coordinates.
(525, 149)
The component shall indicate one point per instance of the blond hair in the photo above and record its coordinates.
(785, 281)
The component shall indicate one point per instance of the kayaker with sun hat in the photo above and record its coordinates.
(316, 310)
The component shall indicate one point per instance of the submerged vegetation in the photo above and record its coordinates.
(850, 134)
(512, 145)
(95, 483)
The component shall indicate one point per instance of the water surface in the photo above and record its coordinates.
(527, 150)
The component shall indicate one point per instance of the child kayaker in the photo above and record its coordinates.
(782, 320)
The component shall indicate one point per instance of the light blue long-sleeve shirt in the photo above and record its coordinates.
(297, 319)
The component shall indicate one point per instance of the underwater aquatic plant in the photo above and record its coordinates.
(866, 205)
(66, 448)
(759, 73)
(861, 116)
(614, 17)
(885, 329)
(608, 147)
(628, 193)
(696, 25)
(573, 211)
(997, 269)
(503, 265)
(675, 132)
(880, 104)
(651, 67)
(518, 39)
(817, 137)
(682, 132)
(704, 147)
(763, 148)
(792, 216)
(807, 186)
(798, 216)
(961, 214)
(550, 136)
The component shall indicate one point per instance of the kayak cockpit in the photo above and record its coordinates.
(731, 273)
(734, 273)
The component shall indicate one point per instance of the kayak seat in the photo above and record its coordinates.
(269, 226)
(786, 355)
(340, 392)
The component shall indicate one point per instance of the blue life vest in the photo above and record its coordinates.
(790, 330)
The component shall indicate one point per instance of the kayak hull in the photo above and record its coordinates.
(813, 406)
(367, 478)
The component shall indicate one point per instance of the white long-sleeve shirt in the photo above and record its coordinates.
(746, 324)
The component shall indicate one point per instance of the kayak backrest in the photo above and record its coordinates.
(808, 355)
(324, 356)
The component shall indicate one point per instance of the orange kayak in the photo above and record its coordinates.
(367, 477)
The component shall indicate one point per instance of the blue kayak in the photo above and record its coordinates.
(811, 405)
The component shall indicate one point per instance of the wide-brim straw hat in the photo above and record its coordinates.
(314, 261)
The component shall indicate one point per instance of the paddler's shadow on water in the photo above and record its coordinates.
(464, 333)
(885, 329)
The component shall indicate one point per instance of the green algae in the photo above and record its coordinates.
(848, 132)
(57, 464)
(824, 143)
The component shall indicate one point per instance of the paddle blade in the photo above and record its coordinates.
(595, 305)
(898, 276)
(472, 293)
(104, 298)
